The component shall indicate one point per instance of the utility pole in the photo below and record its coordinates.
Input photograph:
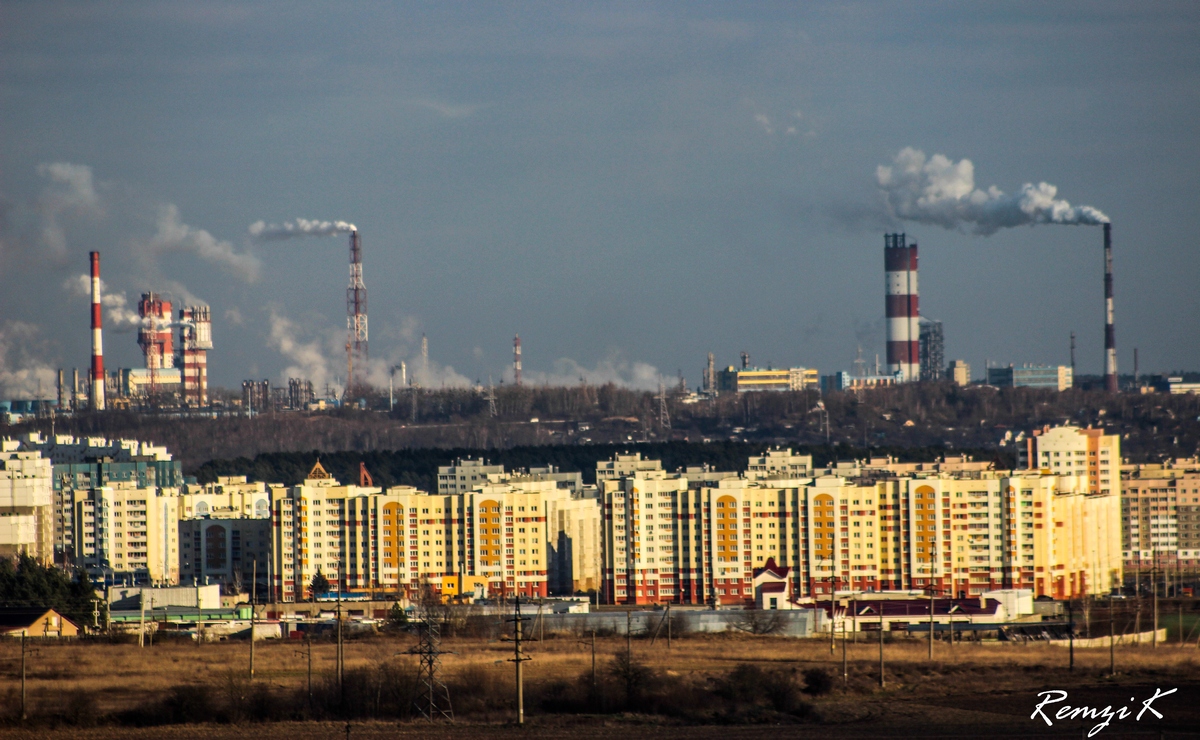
(340, 655)
(1112, 652)
(1154, 636)
(24, 716)
(669, 623)
(845, 663)
(519, 658)
(881, 680)
(1071, 635)
(253, 594)
(628, 637)
(142, 618)
(931, 621)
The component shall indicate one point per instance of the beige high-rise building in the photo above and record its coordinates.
(123, 531)
(1070, 450)
(225, 533)
(956, 528)
(960, 372)
(26, 503)
(402, 540)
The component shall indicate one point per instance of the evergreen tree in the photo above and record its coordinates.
(26, 583)
(319, 585)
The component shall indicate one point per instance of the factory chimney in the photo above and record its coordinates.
(97, 398)
(901, 307)
(356, 316)
(517, 359)
(1110, 337)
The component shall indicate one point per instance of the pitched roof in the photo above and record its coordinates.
(318, 472)
(16, 618)
(773, 568)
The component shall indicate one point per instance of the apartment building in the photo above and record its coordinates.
(122, 532)
(1160, 516)
(464, 475)
(26, 503)
(622, 466)
(225, 533)
(779, 463)
(1073, 451)
(402, 540)
(84, 463)
(958, 531)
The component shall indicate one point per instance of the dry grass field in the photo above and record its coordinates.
(698, 687)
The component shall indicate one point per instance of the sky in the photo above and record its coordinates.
(628, 186)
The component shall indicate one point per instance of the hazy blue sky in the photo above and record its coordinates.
(627, 185)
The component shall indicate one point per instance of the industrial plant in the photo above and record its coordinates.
(175, 342)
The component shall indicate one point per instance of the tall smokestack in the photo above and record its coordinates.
(97, 339)
(1110, 336)
(901, 307)
(517, 359)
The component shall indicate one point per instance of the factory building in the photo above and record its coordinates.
(1058, 377)
(756, 379)
(844, 381)
(195, 340)
(932, 348)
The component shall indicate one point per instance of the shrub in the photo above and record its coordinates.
(817, 681)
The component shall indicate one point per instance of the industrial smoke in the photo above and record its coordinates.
(300, 227)
(941, 192)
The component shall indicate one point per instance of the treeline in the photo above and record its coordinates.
(418, 467)
(936, 415)
(27, 584)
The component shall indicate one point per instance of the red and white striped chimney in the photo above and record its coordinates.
(1110, 336)
(902, 312)
(97, 339)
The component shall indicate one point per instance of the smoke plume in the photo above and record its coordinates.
(939, 191)
(612, 369)
(71, 190)
(118, 315)
(176, 236)
(308, 359)
(22, 370)
(263, 231)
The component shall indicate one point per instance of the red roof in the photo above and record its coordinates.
(774, 588)
(775, 569)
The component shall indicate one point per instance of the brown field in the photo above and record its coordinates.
(969, 690)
